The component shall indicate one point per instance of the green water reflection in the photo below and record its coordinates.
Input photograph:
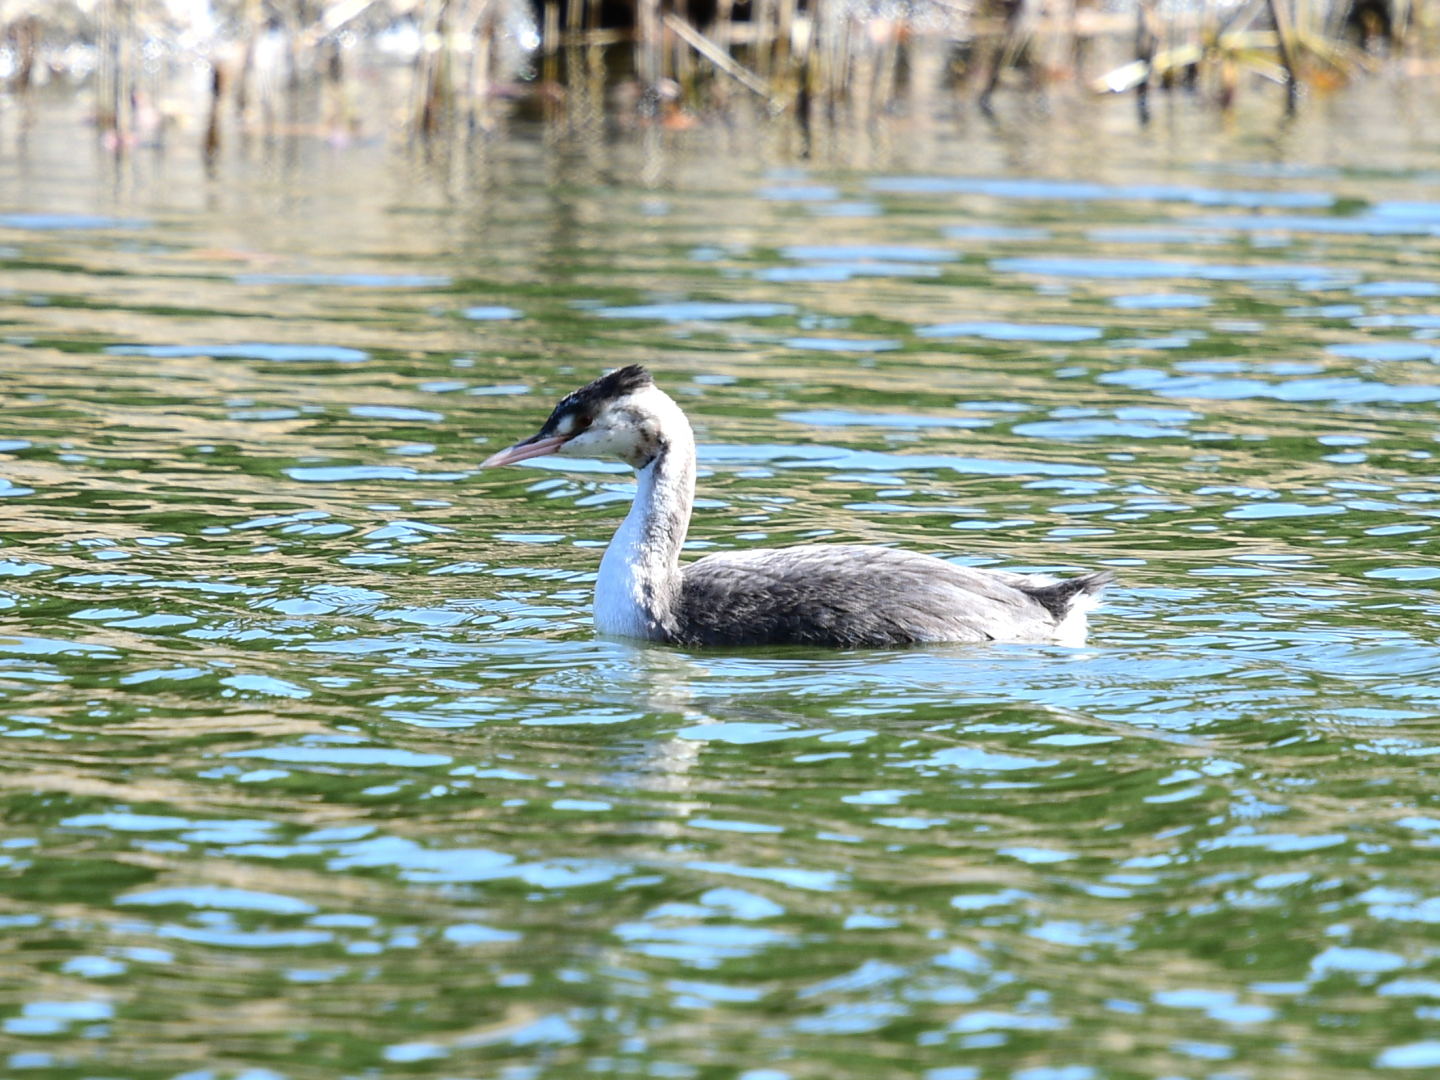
(313, 764)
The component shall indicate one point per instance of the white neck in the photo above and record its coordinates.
(639, 582)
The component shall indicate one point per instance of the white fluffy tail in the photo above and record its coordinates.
(1070, 601)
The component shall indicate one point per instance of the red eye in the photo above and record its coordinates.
(583, 421)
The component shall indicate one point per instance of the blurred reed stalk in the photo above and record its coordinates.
(855, 60)
(115, 77)
(456, 67)
(23, 38)
(823, 62)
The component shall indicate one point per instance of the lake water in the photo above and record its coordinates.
(314, 768)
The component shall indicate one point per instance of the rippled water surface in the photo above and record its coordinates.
(314, 766)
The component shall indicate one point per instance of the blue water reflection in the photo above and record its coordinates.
(1004, 188)
(305, 717)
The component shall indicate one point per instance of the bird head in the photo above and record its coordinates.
(619, 416)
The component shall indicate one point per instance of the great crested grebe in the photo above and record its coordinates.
(846, 595)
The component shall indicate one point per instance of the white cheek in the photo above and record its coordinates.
(601, 442)
(580, 446)
(595, 442)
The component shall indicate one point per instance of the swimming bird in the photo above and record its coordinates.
(843, 595)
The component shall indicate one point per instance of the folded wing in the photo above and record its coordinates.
(860, 596)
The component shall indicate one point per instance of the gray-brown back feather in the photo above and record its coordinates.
(859, 596)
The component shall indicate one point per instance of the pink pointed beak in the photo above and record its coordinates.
(523, 451)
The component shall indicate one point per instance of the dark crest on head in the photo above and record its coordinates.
(582, 403)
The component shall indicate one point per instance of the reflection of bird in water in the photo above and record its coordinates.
(844, 595)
